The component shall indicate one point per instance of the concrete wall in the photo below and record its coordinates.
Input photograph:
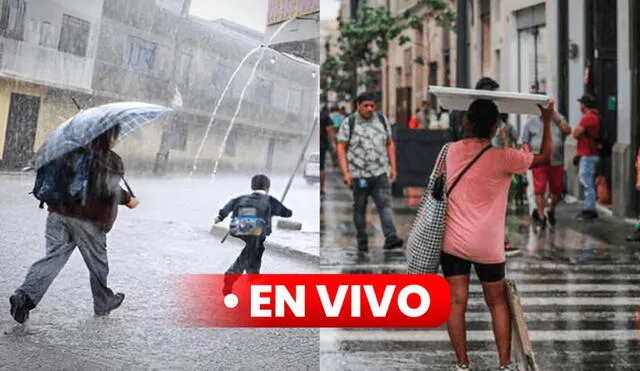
(298, 37)
(576, 66)
(304, 28)
(622, 183)
(28, 60)
(576, 89)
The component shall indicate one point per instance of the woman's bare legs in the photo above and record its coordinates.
(495, 296)
(456, 324)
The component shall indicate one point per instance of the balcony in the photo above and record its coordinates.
(45, 66)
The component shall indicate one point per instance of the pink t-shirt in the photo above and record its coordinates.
(477, 206)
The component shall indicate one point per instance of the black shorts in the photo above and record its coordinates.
(455, 266)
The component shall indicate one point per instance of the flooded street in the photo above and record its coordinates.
(166, 235)
(579, 288)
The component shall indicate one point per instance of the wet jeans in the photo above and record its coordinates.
(587, 175)
(62, 235)
(380, 189)
(531, 197)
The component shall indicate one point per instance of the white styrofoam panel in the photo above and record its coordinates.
(507, 102)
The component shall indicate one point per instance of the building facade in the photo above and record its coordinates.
(405, 81)
(48, 51)
(566, 49)
(557, 47)
(152, 51)
(299, 36)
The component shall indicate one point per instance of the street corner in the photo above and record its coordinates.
(295, 244)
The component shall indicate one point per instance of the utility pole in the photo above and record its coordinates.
(462, 79)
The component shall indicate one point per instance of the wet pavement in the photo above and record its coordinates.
(166, 235)
(579, 285)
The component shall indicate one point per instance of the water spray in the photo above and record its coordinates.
(224, 93)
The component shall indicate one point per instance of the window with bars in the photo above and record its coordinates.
(46, 35)
(141, 54)
(408, 62)
(179, 135)
(263, 91)
(220, 78)
(74, 36)
(12, 19)
(185, 67)
(294, 100)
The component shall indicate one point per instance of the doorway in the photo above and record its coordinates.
(601, 58)
(22, 125)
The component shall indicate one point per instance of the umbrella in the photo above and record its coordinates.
(81, 129)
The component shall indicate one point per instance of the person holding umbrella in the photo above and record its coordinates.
(82, 223)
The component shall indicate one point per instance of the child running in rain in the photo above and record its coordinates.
(251, 223)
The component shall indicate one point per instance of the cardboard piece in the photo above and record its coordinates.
(521, 349)
(507, 102)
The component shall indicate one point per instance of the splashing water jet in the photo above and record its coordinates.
(263, 48)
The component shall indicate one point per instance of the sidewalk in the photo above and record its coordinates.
(292, 243)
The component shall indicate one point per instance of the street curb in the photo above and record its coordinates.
(220, 231)
(605, 210)
(17, 173)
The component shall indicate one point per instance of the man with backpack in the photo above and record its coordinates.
(251, 222)
(587, 154)
(77, 221)
(367, 158)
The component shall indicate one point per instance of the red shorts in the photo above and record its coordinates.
(551, 175)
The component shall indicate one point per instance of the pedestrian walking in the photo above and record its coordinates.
(83, 223)
(251, 223)
(587, 134)
(367, 158)
(635, 235)
(475, 221)
(551, 176)
(327, 140)
(337, 116)
(414, 122)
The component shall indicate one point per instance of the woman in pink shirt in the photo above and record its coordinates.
(475, 222)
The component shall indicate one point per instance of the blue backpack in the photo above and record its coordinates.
(249, 216)
(64, 180)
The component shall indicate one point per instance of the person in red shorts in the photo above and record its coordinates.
(551, 175)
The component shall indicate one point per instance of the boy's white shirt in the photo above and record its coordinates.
(260, 191)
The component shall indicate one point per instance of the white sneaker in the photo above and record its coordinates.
(511, 367)
(461, 367)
